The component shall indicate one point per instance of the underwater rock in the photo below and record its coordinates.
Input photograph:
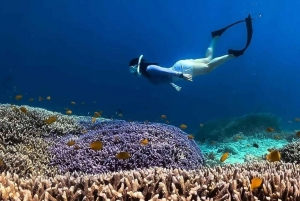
(168, 147)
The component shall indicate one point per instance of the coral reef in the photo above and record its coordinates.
(247, 125)
(168, 147)
(27, 158)
(280, 182)
(17, 125)
(291, 152)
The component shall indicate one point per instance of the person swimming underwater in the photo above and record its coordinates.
(189, 68)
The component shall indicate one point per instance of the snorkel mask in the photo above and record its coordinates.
(136, 68)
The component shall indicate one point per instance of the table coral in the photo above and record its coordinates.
(168, 147)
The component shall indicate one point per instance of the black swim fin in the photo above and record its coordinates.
(237, 53)
(221, 31)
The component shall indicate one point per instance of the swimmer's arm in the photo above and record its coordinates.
(157, 70)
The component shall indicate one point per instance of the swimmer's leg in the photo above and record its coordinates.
(209, 52)
(216, 62)
(204, 68)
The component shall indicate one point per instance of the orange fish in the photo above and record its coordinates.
(69, 112)
(144, 141)
(96, 145)
(224, 157)
(277, 137)
(18, 97)
(51, 120)
(94, 119)
(255, 183)
(163, 116)
(48, 98)
(191, 137)
(183, 126)
(97, 114)
(123, 155)
(71, 143)
(273, 156)
(270, 129)
(23, 109)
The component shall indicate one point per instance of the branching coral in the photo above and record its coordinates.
(27, 158)
(291, 152)
(168, 147)
(17, 125)
(280, 182)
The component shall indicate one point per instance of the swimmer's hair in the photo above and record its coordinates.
(143, 65)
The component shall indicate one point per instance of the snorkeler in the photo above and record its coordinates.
(189, 68)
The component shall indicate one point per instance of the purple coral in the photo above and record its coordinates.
(168, 147)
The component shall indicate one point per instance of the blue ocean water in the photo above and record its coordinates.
(79, 51)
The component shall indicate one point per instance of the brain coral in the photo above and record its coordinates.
(168, 147)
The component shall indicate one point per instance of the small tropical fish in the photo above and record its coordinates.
(73, 103)
(23, 109)
(97, 114)
(201, 125)
(270, 129)
(119, 113)
(123, 155)
(255, 183)
(18, 97)
(71, 143)
(48, 98)
(191, 137)
(163, 116)
(255, 145)
(167, 122)
(41, 98)
(144, 141)
(51, 120)
(297, 119)
(183, 126)
(69, 112)
(273, 156)
(298, 134)
(96, 145)
(31, 99)
(84, 131)
(94, 119)
(224, 157)
(277, 137)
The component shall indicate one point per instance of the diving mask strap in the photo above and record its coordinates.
(138, 67)
(178, 88)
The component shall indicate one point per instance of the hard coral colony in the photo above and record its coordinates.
(61, 157)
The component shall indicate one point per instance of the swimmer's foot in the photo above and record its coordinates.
(218, 32)
(236, 53)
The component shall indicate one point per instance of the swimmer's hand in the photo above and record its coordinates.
(187, 77)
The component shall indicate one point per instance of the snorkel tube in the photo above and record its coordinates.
(138, 66)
